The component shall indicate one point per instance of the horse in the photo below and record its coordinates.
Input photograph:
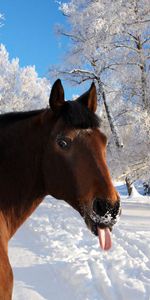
(58, 151)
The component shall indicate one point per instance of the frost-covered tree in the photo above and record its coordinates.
(111, 37)
(88, 56)
(131, 47)
(20, 88)
(134, 159)
(110, 45)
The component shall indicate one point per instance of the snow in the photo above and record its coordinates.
(134, 192)
(55, 257)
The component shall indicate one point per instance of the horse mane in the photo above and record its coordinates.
(74, 114)
(7, 118)
(78, 116)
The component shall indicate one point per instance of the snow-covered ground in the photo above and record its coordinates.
(55, 257)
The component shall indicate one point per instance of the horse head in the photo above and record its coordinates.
(75, 165)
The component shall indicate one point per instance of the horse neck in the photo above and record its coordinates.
(22, 186)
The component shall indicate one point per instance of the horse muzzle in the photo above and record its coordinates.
(103, 215)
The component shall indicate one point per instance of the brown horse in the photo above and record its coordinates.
(58, 151)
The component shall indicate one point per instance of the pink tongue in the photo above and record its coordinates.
(104, 238)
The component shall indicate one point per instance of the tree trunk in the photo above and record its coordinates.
(139, 47)
(113, 127)
(129, 185)
(144, 87)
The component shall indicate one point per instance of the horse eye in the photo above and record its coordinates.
(64, 143)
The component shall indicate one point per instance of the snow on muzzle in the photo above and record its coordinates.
(103, 216)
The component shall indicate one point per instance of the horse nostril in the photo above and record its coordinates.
(100, 206)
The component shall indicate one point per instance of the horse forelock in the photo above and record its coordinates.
(79, 116)
(73, 113)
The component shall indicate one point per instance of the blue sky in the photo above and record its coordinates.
(28, 33)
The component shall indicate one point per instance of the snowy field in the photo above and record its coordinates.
(55, 257)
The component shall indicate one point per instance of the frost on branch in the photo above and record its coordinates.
(20, 88)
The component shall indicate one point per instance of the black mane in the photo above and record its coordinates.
(78, 116)
(8, 118)
(74, 114)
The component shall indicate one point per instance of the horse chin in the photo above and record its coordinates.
(93, 226)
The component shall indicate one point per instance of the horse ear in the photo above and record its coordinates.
(89, 99)
(56, 99)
